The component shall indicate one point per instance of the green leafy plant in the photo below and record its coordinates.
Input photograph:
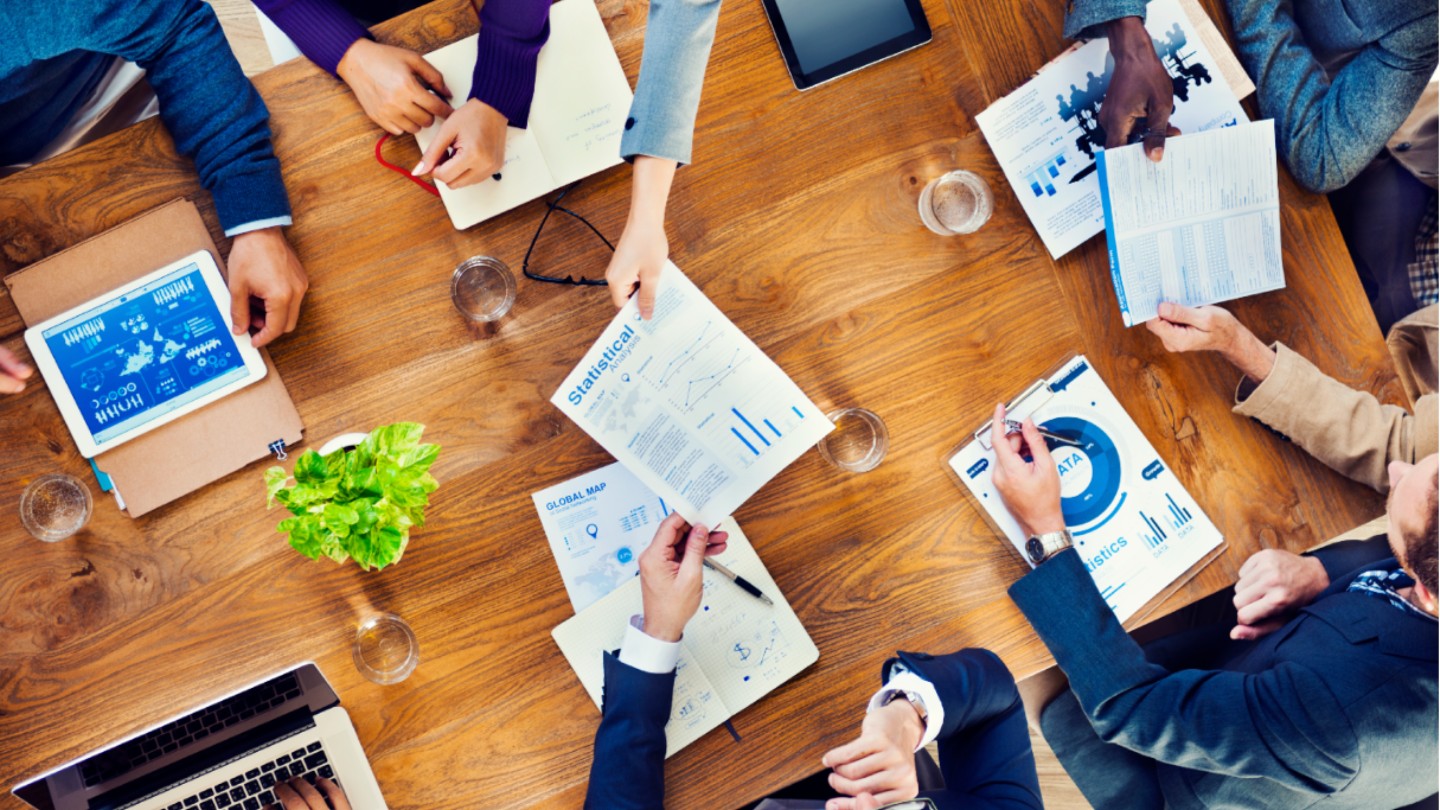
(358, 504)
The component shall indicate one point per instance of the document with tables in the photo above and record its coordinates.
(576, 119)
(1046, 135)
(689, 404)
(1200, 227)
(1136, 527)
(736, 649)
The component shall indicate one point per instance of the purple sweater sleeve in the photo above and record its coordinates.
(322, 30)
(511, 34)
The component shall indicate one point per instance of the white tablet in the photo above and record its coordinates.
(144, 355)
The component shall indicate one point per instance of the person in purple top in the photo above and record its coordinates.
(393, 85)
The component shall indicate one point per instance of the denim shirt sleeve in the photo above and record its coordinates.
(1328, 130)
(678, 36)
(1084, 18)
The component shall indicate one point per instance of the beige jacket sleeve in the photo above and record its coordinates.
(1348, 430)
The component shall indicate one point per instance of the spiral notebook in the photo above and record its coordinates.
(735, 651)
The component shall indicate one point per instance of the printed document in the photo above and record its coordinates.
(689, 404)
(1135, 525)
(576, 118)
(1201, 226)
(598, 523)
(1046, 134)
(735, 650)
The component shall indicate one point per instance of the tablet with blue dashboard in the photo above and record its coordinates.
(825, 39)
(146, 354)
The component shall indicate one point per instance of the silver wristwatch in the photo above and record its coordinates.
(913, 698)
(1042, 547)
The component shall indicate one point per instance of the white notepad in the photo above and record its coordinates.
(734, 652)
(1200, 227)
(576, 118)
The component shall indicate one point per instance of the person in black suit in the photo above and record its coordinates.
(967, 700)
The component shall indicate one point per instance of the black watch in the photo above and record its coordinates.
(1042, 547)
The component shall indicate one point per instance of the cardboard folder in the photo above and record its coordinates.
(203, 446)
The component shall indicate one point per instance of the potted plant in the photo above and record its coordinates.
(357, 501)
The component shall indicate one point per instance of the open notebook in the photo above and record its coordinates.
(735, 651)
(576, 118)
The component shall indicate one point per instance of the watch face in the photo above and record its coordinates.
(1035, 549)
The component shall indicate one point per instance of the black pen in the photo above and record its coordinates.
(738, 580)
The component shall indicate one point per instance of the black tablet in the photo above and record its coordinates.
(824, 39)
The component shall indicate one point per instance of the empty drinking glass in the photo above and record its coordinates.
(385, 649)
(55, 506)
(956, 202)
(483, 288)
(858, 442)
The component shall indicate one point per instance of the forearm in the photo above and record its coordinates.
(650, 190)
(678, 36)
(512, 32)
(321, 29)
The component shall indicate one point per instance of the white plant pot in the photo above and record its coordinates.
(342, 442)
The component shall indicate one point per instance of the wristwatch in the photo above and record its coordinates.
(1042, 547)
(912, 697)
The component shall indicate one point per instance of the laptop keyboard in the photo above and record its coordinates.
(255, 788)
(128, 756)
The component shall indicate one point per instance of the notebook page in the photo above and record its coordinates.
(746, 647)
(582, 96)
(695, 707)
(524, 175)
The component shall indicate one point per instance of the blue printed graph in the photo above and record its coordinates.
(1154, 538)
(1042, 178)
(754, 434)
(1179, 516)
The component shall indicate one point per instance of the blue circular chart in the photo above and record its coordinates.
(1089, 474)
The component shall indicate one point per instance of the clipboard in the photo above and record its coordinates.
(1137, 528)
(185, 455)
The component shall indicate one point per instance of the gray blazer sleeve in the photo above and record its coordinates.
(1083, 18)
(678, 36)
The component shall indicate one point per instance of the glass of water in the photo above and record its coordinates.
(483, 288)
(385, 649)
(956, 202)
(55, 506)
(858, 442)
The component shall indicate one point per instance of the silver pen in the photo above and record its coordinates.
(738, 580)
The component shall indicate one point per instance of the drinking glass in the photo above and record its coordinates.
(956, 202)
(55, 506)
(858, 442)
(483, 288)
(385, 649)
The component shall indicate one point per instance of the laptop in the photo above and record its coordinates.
(227, 755)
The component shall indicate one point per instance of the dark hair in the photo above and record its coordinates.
(1421, 547)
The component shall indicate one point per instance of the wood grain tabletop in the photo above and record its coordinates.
(798, 218)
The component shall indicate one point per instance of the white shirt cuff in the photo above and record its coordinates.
(259, 224)
(903, 680)
(647, 653)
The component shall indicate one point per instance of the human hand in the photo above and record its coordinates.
(476, 133)
(13, 373)
(1029, 489)
(1139, 88)
(879, 766)
(1273, 584)
(298, 794)
(393, 86)
(1210, 328)
(643, 249)
(670, 575)
(267, 284)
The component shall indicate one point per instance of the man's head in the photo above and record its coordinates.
(1414, 501)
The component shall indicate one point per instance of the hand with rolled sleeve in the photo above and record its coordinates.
(643, 249)
(393, 86)
(1030, 488)
(1140, 89)
(267, 284)
(298, 794)
(1210, 328)
(469, 147)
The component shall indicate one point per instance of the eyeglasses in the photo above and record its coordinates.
(551, 206)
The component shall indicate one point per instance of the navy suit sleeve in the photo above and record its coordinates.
(210, 108)
(1278, 724)
(985, 753)
(1348, 556)
(628, 768)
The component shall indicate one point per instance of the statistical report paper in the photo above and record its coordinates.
(689, 404)
(1199, 227)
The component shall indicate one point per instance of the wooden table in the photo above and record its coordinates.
(798, 219)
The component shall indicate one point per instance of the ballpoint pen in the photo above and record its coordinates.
(738, 580)
(1014, 427)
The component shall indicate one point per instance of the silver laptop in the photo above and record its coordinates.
(227, 755)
